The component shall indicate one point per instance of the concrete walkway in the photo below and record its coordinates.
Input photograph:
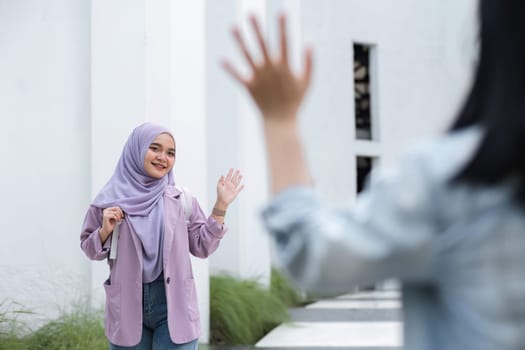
(365, 320)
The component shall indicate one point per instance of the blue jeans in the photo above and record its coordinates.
(155, 333)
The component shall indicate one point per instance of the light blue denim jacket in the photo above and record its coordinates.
(458, 250)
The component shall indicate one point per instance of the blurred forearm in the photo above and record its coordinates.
(286, 160)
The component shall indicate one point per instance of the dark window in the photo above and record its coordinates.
(363, 167)
(362, 100)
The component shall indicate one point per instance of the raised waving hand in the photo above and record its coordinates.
(275, 88)
(278, 92)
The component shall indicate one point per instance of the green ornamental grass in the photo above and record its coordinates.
(11, 329)
(242, 311)
(281, 287)
(77, 330)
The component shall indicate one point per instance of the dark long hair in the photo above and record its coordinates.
(497, 99)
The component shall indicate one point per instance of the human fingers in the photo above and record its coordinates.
(308, 64)
(113, 213)
(120, 213)
(282, 38)
(260, 39)
(108, 221)
(233, 72)
(238, 181)
(236, 177)
(229, 175)
(242, 45)
(239, 189)
(116, 211)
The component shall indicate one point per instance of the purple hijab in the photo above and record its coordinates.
(139, 196)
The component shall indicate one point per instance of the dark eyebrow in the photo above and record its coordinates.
(159, 145)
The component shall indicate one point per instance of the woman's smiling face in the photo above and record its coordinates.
(160, 156)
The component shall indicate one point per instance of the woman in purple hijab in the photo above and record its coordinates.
(145, 227)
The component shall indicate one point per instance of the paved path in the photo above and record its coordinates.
(360, 321)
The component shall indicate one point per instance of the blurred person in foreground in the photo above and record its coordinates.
(448, 221)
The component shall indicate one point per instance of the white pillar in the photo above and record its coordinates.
(188, 118)
(222, 126)
(254, 250)
(236, 141)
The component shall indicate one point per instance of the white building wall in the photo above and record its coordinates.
(73, 86)
(45, 152)
(417, 82)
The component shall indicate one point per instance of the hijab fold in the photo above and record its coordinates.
(139, 195)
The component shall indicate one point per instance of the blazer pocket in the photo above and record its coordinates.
(113, 306)
(191, 299)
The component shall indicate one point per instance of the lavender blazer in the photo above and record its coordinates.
(123, 312)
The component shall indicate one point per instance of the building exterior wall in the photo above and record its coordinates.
(77, 76)
(416, 82)
(45, 152)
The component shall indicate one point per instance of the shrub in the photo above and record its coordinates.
(242, 311)
(11, 329)
(78, 330)
(281, 287)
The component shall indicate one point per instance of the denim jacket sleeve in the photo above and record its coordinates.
(387, 233)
